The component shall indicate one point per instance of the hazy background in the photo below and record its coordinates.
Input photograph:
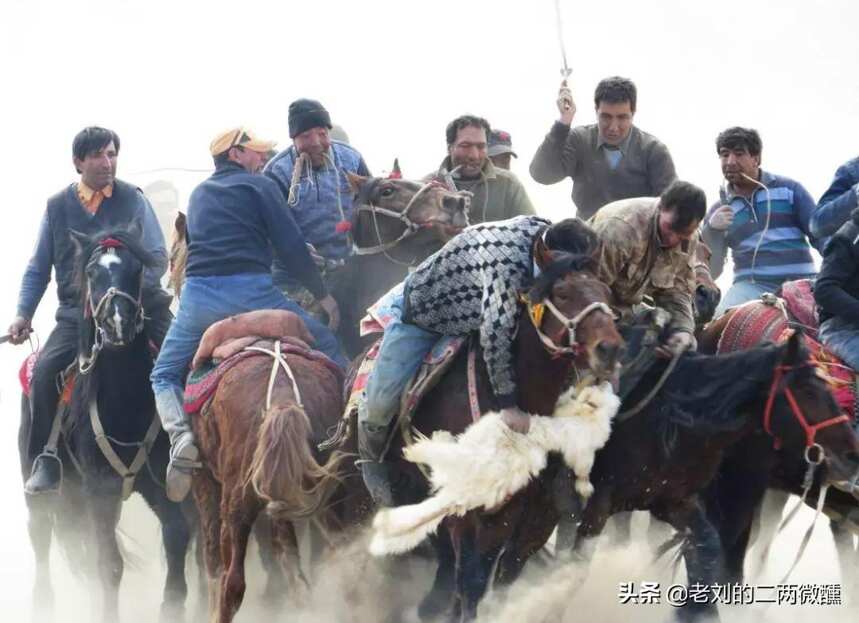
(167, 76)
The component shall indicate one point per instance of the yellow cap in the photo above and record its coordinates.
(239, 137)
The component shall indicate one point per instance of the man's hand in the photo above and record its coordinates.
(566, 105)
(676, 344)
(314, 255)
(330, 307)
(722, 218)
(516, 420)
(19, 330)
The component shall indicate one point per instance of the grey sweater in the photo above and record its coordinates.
(645, 170)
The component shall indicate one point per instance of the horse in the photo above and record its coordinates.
(735, 498)
(662, 458)
(112, 444)
(549, 352)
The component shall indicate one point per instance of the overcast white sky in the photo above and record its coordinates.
(168, 75)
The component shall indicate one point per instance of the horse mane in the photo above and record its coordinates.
(562, 264)
(707, 392)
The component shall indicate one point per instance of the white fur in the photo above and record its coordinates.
(488, 463)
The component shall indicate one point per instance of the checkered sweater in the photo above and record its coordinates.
(473, 284)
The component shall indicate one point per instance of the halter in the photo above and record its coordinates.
(86, 363)
(536, 311)
(411, 227)
(810, 429)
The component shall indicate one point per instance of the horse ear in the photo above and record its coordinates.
(356, 181)
(796, 352)
(396, 173)
(180, 225)
(542, 254)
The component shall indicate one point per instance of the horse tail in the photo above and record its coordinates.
(284, 472)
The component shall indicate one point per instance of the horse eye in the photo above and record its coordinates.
(387, 192)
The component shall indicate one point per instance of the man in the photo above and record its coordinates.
(608, 161)
(446, 295)
(839, 200)
(498, 194)
(836, 292)
(236, 221)
(648, 248)
(311, 174)
(96, 203)
(500, 149)
(763, 218)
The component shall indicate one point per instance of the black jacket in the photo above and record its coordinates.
(836, 290)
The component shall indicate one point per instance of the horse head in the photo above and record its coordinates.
(707, 293)
(579, 323)
(389, 210)
(802, 413)
(110, 273)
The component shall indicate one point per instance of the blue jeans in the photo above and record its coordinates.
(403, 349)
(842, 338)
(742, 292)
(205, 301)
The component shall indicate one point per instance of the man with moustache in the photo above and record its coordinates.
(96, 203)
(498, 194)
(764, 219)
(609, 160)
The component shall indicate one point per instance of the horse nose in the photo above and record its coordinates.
(608, 352)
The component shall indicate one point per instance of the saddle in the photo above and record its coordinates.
(774, 319)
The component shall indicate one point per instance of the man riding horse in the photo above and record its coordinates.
(96, 203)
(236, 221)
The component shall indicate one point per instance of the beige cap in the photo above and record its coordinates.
(239, 137)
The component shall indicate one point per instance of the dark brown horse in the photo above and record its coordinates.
(663, 458)
(468, 546)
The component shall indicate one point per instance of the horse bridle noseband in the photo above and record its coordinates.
(535, 312)
(411, 227)
(86, 363)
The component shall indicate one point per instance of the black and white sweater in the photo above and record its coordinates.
(473, 283)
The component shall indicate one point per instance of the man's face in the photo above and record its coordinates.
(469, 150)
(738, 162)
(615, 121)
(315, 143)
(501, 161)
(668, 236)
(251, 161)
(98, 168)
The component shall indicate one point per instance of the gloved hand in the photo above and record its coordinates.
(676, 344)
(517, 420)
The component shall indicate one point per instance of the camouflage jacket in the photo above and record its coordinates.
(633, 263)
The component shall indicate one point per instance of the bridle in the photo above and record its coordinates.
(536, 312)
(411, 226)
(809, 429)
(94, 310)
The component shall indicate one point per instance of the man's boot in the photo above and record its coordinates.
(376, 473)
(183, 451)
(45, 476)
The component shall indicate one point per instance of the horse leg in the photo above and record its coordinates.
(621, 535)
(238, 517)
(105, 513)
(848, 560)
(207, 495)
(701, 555)
(40, 528)
(762, 531)
(275, 581)
(438, 600)
(288, 560)
(175, 534)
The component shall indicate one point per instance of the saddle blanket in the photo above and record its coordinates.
(66, 378)
(203, 381)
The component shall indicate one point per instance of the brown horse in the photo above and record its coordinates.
(259, 454)
(545, 366)
(663, 458)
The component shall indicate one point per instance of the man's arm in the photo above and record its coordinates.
(556, 156)
(287, 241)
(804, 208)
(715, 239)
(677, 299)
(836, 204)
(518, 202)
(660, 169)
(38, 272)
(153, 242)
(838, 267)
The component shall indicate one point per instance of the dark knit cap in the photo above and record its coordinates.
(305, 114)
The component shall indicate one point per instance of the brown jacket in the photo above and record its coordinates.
(633, 263)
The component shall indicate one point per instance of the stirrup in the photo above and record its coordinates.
(44, 455)
(185, 464)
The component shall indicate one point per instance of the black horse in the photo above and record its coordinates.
(112, 443)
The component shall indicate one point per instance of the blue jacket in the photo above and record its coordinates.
(314, 205)
(836, 204)
(784, 251)
(236, 220)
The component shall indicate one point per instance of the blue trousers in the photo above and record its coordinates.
(842, 338)
(742, 292)
(205, 301)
